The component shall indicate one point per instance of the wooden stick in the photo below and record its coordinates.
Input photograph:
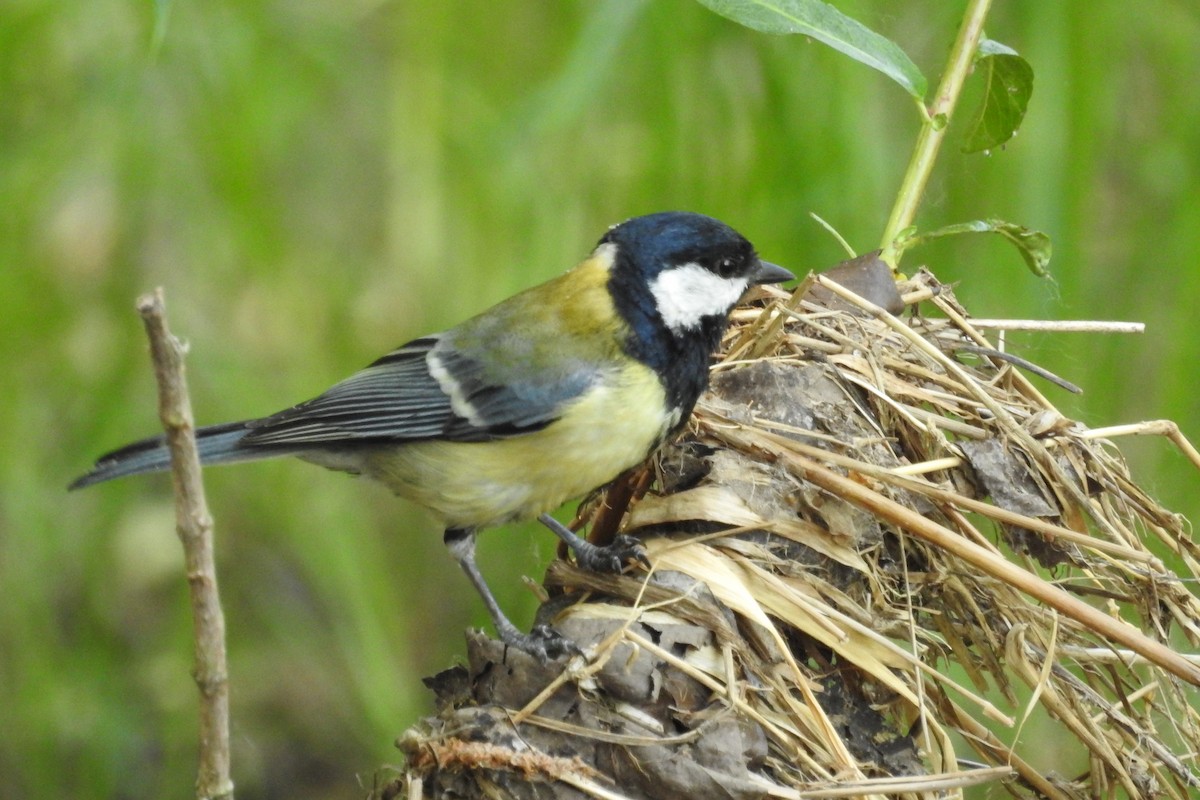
(194, 525)
(1061, 325)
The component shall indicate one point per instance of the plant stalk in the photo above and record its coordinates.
(194, 524)
(933, 128)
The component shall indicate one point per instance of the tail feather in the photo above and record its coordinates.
(218, 444)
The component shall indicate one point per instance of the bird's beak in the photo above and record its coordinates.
(771, 273)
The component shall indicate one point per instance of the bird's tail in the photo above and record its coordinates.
(218, 444)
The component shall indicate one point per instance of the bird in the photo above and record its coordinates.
(537, 400)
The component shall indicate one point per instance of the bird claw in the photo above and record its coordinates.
(543, 643)
(613, 556)
(635, 550)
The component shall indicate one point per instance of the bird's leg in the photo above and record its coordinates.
(543, 643)
(609, 558)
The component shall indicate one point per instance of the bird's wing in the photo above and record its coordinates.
(432, 388)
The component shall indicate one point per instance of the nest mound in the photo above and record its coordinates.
(879, 556)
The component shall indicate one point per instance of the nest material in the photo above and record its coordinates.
(880, 556)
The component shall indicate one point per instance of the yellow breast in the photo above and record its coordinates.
(609, 429)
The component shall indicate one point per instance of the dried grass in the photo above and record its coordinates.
(886, 557)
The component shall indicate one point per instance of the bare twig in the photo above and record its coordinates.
(1061, 325)
(1158, 427)
(194, 525)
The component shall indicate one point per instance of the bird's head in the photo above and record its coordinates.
(673, 278)
(690, 268)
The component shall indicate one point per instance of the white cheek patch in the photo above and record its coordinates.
(687, 294)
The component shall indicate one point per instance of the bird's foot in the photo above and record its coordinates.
(611, 557)
(543, 643)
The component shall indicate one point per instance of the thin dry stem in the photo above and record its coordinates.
(194, 525)
(1060, 325)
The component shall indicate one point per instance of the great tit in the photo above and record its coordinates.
(536, 401)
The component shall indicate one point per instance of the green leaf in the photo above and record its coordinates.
(826, 24)
(1009, 87)
(1034, 246)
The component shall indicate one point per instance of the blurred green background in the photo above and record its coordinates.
(315, 182)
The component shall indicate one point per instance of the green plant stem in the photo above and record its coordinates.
(933, 128)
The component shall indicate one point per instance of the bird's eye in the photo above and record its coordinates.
(727, 267)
